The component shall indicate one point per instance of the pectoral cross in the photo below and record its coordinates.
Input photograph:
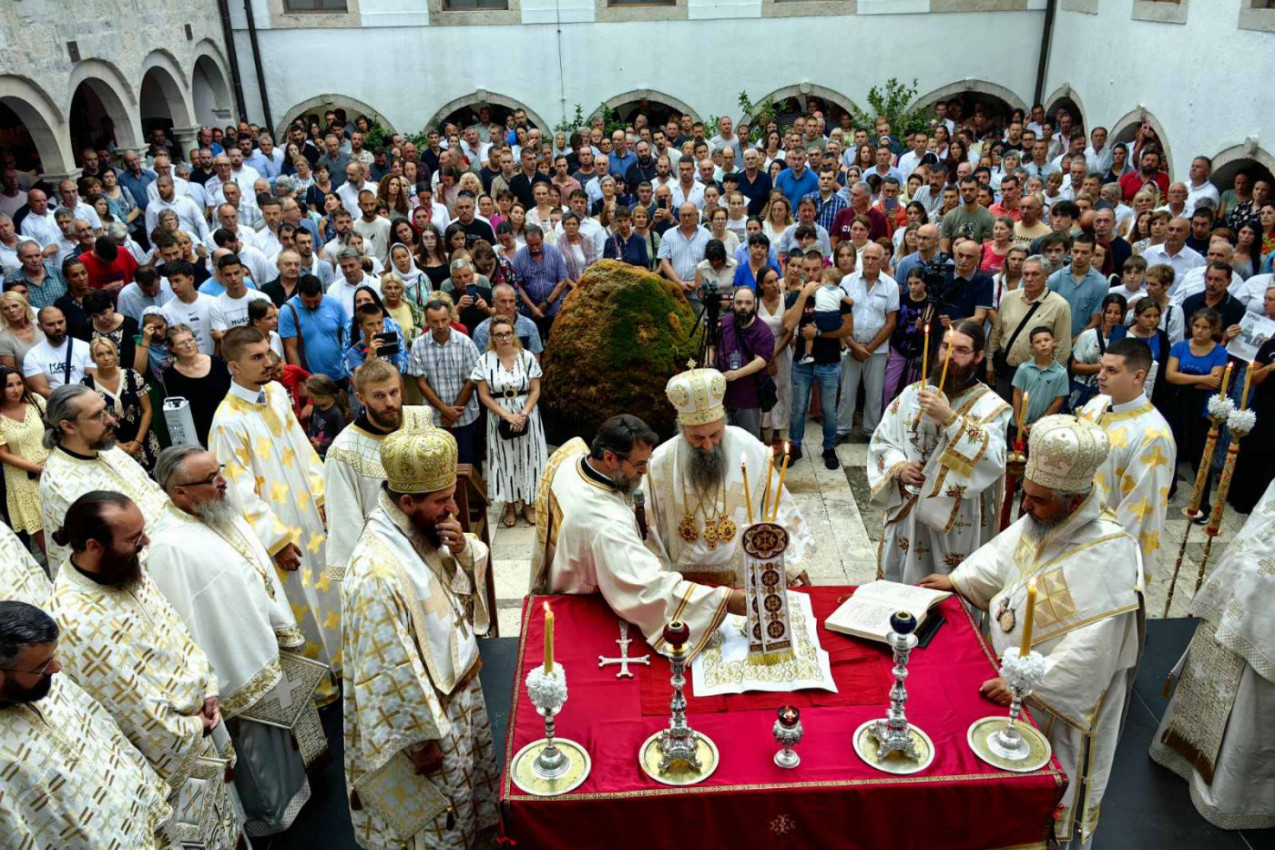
(625, 659)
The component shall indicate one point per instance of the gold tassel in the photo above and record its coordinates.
(1168, 686)
(769, 659)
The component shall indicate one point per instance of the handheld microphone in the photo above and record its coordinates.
(639, 511)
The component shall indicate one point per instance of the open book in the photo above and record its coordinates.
(867, 613)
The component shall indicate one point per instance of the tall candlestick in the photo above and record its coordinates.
(1026, 646)
(548, 639)
(1226, 380)
(783, 471)
(1248, 376)
(925, 356)
(947, 358)
(765, 496)
(1022, 413)
(748, 494)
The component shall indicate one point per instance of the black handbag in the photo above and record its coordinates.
(504, 428)
(767, 392)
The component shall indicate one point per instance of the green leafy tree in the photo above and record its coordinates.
(760, 114)
(892, 101)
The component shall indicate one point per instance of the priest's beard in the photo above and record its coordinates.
(959, 378)
(13, 694)
(220, 511)
(708, 468)
(387, 421)
(104, 443)
(623, 483)
(119, 569)
(1038, 528)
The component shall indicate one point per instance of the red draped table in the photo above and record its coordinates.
(832, 800)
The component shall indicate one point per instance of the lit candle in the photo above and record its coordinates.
(748, 495)
(1248, 376)
(1026, 646)
(925, 356)
(765, 496)
(548, 639)
(947, 358)
(1226, 380)
(783, 471)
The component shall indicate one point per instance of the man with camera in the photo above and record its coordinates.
(744, 350)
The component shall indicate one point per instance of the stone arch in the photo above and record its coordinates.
(104, 82)
(637, 95)
(1066, 96)
(807, 89)
(982, 89)
(1126, 130)
(319, 103)
(481, 97)
(1247, 156)
(163, 96)
(43, 120)
(209, 85)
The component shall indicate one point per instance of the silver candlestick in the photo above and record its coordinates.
(552, 765)
(678, 755)
(788, 732)
(900, 747)
(1008, 743)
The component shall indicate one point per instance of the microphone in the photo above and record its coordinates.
(639, 511)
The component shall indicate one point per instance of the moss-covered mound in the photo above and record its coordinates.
(622, 333)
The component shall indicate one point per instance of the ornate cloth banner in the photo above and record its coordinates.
(290, 704)
(770, 639)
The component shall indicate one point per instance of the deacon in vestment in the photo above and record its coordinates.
(217, 575)
(72, 781)
(1088, 612)
(123, 643)
(935, 464)
(588, 540)
(81, 433)
(419, 758)
(1135, 479)
(21, 576)
(352, 473)
(278, 478)
(695, 488)
(1216, 732)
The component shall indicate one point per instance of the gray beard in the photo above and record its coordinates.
(1036, 529)
(220, 512)
(707, 468)
(622, 483)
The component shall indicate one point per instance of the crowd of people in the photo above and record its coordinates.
(287, 307)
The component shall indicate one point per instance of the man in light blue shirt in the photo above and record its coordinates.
(1081, 284)
(796, 181)
(148, 289)
(324, 323)
(505, 303)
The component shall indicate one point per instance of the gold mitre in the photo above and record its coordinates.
(419, 461)
(1065, 452)
(697, 394)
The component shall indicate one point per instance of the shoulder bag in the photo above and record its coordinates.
(300, 337)
(1000, 357)
(503, 427)
(767, 392)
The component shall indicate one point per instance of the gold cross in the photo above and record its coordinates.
(1154, 457)
(1140, 509)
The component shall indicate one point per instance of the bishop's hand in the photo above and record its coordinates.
(288, 558)
(996, 690)
(937, 581)
(451, 534)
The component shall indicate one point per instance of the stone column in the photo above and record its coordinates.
(186, 138)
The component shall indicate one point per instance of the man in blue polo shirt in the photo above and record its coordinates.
(1081, 284)
(796, 181)
(323, 324)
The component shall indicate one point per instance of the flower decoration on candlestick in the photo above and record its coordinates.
(552, 765)
(1009, 743)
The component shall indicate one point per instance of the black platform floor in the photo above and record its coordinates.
(1146, 806)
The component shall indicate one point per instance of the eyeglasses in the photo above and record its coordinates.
(212, 479)
(504, 335)
(43, 670)
(101, 416)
